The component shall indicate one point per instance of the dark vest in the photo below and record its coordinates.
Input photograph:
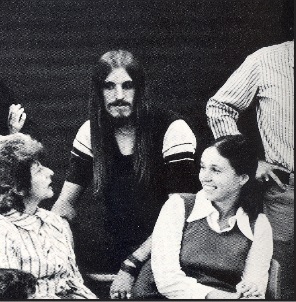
(213, 259)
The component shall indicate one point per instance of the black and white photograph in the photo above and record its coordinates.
(147, 150)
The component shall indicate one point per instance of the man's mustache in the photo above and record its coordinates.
(119, 102)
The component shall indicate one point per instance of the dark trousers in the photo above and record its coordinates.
(279, 208)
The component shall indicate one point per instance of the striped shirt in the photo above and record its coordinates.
(41, 244)
(266, 76)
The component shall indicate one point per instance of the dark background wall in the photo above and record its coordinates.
(188, 47)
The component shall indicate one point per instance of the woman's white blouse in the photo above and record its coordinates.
(171, 281)
(41, 244)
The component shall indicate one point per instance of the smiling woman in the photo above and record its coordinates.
(216, 244)
(219, 180)
(32, 239)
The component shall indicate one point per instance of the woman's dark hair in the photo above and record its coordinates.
(17, 154)
(244, 160)
(102, 129)
(16, 284)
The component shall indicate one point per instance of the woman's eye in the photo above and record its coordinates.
(109, 85)
(128, 85)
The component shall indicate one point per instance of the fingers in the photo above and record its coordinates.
(282, 169)
(121, 287)
(265, 172)
(22, 119)
(14, 108)
(114, 295)
(277, 180)
(16, 111)
(120, 295)
(16, 118)
(240, 287)
(250, 290)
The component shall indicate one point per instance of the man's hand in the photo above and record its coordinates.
(248, 290)
(265, 172)
(16, 118)
(121, 287)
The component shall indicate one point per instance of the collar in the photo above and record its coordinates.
(203, 208)
(26, 221)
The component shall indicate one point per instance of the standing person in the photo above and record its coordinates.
(135, 158)
(267, 78)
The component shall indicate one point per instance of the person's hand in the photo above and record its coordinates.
(248, 290)
(16, 118)
(265, 172)
(121, 287)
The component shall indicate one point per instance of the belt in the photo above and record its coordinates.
(286, 178)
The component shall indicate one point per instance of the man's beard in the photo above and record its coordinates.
(121, 121)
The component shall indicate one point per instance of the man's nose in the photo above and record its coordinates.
(119, 92)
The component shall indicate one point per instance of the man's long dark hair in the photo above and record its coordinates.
(102, 127)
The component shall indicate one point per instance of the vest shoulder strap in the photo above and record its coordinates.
(189, 200)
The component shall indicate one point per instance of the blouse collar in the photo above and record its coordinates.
(27, 221)
(203, 208)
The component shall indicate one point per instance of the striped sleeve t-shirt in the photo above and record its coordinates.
(179, 146)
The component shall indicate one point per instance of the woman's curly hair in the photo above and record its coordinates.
(17, 154)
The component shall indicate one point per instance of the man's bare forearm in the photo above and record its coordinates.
(64, 206)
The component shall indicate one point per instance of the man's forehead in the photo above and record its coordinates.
(118, 75)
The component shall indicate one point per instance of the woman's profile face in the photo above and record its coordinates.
(41, 181)
(218, 178)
